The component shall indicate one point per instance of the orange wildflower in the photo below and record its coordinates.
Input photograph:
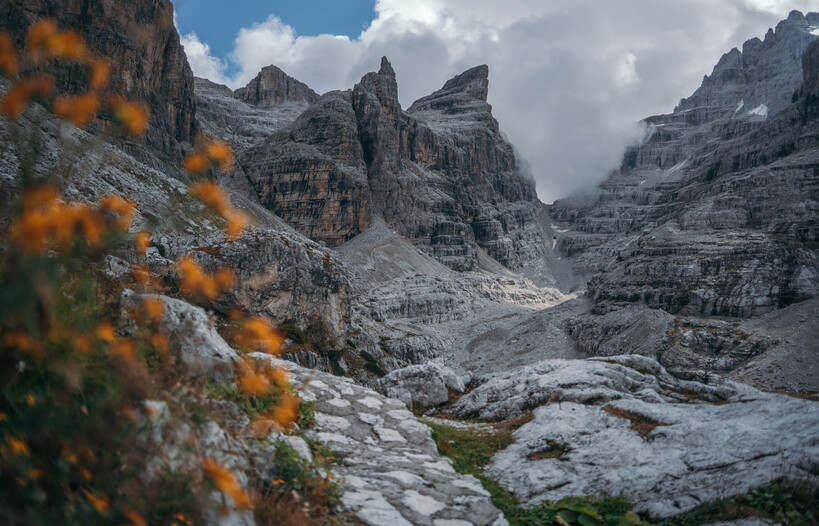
(226, 482)
(135, 518)
(142, 240)
(8, 57)
(287, 412)
(77, 109)
(100, 69)
(35, 473)
(212, 195)
(258, 332)
(105, 332)
(18, 446)
(251, 382)
(128, 413)
(17, 98)
(3, 417)
(197, 282)
(160, 342)
(67, 45)
(99, 503)
(154, 307)
(82, 343)
(221, 154)
(122, 207)
(45, 42)
(236, 223)
(126, 350)
(39, 39)
(195, 163)
(130, 116)
(278, 375)
(19, 340)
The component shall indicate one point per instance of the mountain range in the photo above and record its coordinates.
(405, 254)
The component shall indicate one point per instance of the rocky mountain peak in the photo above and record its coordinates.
(386, 68)
(272, 87)
(463, 97)
(474, 82)
(759, 80)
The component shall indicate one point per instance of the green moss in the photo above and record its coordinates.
(471, 449)
(371, 364)
(791, 504)
(253, 406)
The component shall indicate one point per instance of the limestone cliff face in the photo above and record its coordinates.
(440, 173)
(313, 174)
(148, 63)
(715, 213)
(272, 86)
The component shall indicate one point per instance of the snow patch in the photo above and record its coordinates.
(761, 110)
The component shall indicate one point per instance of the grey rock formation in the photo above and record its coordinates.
(594, 381)
(697, 452)
(425, 384)
(313, 174)
(147, 60)
(272, 86)
(197, 347)
(703, 441)
(440, 174)
(715, 213)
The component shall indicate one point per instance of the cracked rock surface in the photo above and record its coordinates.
(627, 427)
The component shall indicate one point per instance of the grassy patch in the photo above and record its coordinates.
(553, 450)
(301, 493)
(642, 424)
(253, 406)
(791, 504)
(371, 364)
(471, 449)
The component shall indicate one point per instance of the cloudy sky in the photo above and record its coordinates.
(569, 79)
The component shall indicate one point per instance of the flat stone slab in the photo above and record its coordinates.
(691, 452)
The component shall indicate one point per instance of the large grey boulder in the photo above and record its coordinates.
(424, 384)
(199, 349)
(625, 426)
(697, 453)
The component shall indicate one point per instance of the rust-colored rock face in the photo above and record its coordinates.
(148, 63)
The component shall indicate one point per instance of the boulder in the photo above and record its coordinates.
(424, 384)
(199, 350)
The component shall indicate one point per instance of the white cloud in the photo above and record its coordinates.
(569, 79)
(202, 62)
